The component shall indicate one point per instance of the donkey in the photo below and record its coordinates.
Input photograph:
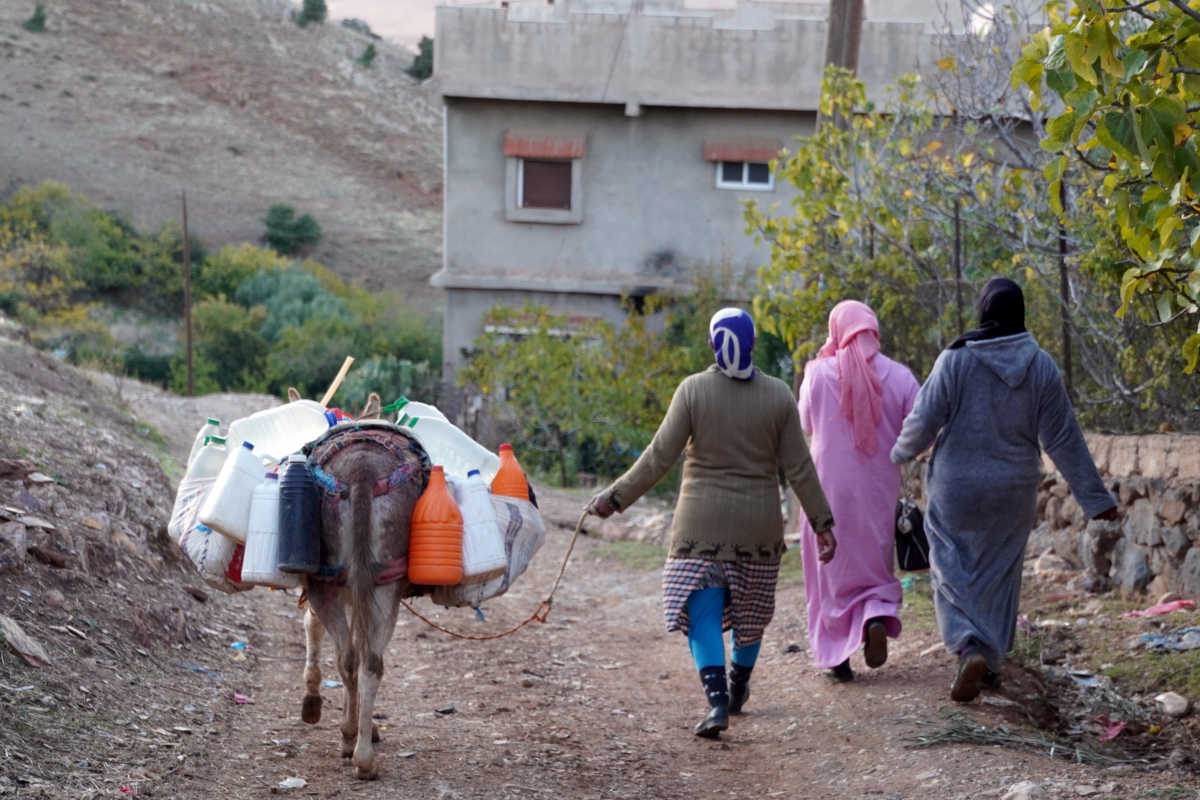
(372, 475)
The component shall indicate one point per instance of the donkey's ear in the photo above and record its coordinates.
(293, 394)
(373, 409)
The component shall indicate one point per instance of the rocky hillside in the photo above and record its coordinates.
(133, 101)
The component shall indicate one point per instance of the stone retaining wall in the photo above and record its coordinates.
(1155, 548)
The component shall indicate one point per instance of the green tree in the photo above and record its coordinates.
(287, 233)
(37, 22)
(1122, 88)
(368, 56)
(226, 336)
(422, 65)
(313, 11)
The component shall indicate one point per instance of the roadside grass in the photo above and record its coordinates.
(1090, 633)
(637, 556)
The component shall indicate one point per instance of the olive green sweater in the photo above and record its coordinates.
(741, 436)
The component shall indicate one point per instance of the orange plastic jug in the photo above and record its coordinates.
(435, 536)
(510, 478)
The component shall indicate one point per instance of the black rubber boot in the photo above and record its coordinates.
(842, 672)
(717, 692)
(875, 643)
(739, 687)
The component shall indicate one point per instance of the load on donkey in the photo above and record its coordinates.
(370, 475)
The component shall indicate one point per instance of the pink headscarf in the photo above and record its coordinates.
(854, 342)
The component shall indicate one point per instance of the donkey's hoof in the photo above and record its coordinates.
(310, 710)
(367, 774)
(375, 737)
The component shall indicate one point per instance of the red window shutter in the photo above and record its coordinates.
(536, 145)
(742, 150)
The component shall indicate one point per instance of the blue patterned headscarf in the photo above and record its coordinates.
(731, 337)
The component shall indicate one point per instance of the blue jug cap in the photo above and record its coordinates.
(271, 476)
(247, 445)
(472, 472)
(204, 529)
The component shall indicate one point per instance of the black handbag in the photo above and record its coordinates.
(912, 547)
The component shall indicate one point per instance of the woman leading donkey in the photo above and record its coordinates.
(739, 429)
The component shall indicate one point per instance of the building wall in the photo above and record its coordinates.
(652, 215)
(753, 56)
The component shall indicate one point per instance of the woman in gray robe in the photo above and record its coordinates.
(991, 397)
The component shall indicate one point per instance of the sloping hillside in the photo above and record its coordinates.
(133, 101)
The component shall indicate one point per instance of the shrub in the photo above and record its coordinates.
(227, 336)
(359, 26)
(368, 57)
(148, 367)
(221, 274)
(312, 11)
(36, 23)
(286, 232)
(289, 297)
(391, 377)
(309, 355)
(422, 65)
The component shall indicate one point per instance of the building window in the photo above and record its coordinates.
(753, 175)
(544, 184)
(543, 177)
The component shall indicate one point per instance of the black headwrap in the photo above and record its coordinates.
(1001, 306)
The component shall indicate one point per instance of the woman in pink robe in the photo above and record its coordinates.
(853, 401)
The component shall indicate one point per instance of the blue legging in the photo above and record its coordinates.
(705, 608)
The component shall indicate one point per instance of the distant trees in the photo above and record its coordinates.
(422, 65)
(287, 233)
(359, 26)
(312, 11)
(368, 56)
(36, 23)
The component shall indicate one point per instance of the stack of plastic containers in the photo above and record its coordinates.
(227, 507)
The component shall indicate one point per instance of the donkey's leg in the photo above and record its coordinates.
(310, 710)
(329, 607)
(384, 607)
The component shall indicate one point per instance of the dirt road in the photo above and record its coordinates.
(599, 703)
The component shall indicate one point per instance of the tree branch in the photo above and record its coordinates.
(1183, 6)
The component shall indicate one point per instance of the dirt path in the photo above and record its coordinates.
(599, 703)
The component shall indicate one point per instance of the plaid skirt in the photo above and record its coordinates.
(750, 604)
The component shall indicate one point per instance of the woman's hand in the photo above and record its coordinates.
(826, 546)
(601, 505)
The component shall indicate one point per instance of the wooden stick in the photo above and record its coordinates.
(337, 381)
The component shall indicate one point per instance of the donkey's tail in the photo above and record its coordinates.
(360, 577)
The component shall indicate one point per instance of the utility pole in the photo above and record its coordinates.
(843, 37)
(187, 297)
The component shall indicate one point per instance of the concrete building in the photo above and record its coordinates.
(601, 148)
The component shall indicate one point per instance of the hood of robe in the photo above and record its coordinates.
(1007, 356)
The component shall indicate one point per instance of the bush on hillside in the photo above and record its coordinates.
(289, 297)
(368, 57)
(36, 23)
(309, 355)
(359, 26)
(288, 234)
(227, 336)
(148, 367)
(312, 11)
(391, 378)
(220, 275)
(422, 65)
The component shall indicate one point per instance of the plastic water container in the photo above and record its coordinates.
(195, 486)
(435, 539)
(227, 507)
(409, 410)
(212, 554)
(510, 478)
(277, 432)
(452, 449)
(211, 427)
(260, 564)
(299, 517)
(483, 543)
(208, 459)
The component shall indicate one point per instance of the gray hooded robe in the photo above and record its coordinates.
(989, 404)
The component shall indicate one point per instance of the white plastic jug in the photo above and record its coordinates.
(280, 431)
(211, 427)
(227, 507)
(483, 543)
(195, 486)
(411, 410)
(212, 554)
(260, 565)
(456, 452)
